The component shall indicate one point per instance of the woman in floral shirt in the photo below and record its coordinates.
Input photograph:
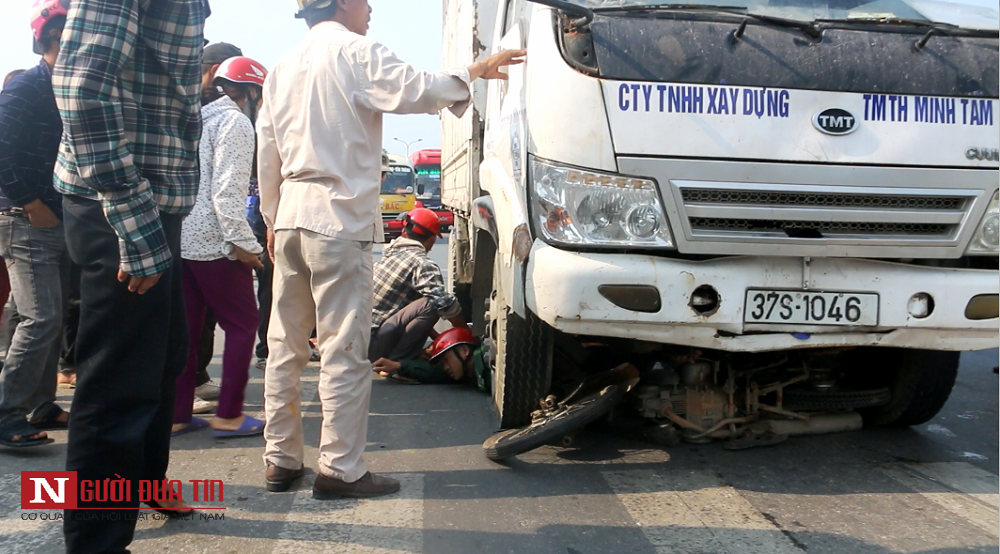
(220, 250)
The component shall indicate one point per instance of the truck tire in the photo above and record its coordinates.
(920, 381)
(522, 372)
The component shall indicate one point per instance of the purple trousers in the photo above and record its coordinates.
(225, 287)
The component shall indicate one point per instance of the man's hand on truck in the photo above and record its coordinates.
(490, 68)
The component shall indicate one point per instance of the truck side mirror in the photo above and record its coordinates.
(420, 189)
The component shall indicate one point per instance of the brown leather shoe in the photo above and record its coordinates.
(330, 488)
(280, 479)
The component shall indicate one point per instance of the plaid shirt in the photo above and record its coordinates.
(29, 139)
(403, 275)
(128, 87)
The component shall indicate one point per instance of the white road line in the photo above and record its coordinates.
(958, 487)
(693, 512)
(388, 525)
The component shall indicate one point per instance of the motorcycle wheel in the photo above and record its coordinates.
(549, 428)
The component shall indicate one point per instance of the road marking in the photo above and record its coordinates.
(387, 525)
(940, 430)
(958, 487)
(973, 456)
(695, 512)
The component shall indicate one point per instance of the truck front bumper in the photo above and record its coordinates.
(563, 289)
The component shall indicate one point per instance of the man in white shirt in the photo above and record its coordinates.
(319, 150)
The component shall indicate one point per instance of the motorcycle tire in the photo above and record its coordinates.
(512, 442)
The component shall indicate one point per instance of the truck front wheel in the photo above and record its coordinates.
(521, 349)
(920, 382)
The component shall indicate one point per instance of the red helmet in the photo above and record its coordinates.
(450, 339)
(425, 220)
(241, 69)
(43, 11)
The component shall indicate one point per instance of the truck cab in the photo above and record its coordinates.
(807, 187)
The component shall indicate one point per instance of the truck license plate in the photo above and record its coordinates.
(811, 308)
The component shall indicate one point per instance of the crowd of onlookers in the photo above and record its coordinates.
(222, 242)
(143, 176)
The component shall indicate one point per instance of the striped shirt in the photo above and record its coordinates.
(128, 86)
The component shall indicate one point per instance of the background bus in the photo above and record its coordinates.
(427, 167)
(397, 195)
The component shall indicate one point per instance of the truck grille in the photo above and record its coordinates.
(820, 228)
(777, 198)
(760, 208)
(774, 213)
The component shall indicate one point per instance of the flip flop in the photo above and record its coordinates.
(21, 428)
(250, 427)
(196, 424)
(48, 419)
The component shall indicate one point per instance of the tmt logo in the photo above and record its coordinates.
(48, 490)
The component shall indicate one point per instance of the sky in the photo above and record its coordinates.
(266, 29)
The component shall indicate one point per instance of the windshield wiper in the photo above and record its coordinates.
(808, 27)
(933, 27)
(906, 22)
(677, 7)
(585, 14)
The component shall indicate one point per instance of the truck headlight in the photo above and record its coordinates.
(582, 207)
(986, 239)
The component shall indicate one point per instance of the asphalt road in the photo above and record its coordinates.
(930, 489)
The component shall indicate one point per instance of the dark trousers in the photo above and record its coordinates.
(129, 351)
(265, 276)
(206, 349)
(71, 320)
(402, 336)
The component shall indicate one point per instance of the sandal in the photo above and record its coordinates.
(196, 424)
(48, 418)
(250, 427)
(755, 437)
(395, 376)
(71, 384)
(22, 429)
(170, 512)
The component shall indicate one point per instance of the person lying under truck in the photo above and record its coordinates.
(454, 357)
(410, 296)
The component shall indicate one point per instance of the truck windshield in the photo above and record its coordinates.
(398, 181)
(969, 14)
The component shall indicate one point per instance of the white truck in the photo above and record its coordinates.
(774, 210)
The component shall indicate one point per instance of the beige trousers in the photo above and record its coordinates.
(327, 283)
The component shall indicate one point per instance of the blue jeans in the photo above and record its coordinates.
(35, 258)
